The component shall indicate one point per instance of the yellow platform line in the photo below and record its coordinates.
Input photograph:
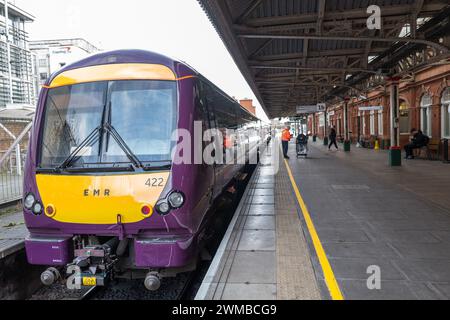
(330, 279)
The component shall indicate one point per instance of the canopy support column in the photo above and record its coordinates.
(347, 142)
(395, 152)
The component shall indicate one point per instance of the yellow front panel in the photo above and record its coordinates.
(120, 71)
(99, 199)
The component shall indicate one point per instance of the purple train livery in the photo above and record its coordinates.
(103, 196)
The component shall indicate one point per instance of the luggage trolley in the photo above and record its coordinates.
(301, 146)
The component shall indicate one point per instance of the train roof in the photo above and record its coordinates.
(130, 56)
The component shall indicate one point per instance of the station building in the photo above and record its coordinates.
(424, 104)
(52, 55)
(17, 71)
(248, 105)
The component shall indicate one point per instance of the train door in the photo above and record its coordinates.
(207, 172)
(219, 167)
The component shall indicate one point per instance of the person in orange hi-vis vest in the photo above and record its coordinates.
(286, 136)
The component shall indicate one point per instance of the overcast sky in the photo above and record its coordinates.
(177, 28)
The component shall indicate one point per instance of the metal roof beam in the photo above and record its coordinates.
(343, 24)
(345, 38)
(359, 13)
(294, 57)
(248, 11)
(338, 70)
(418, 7)
(320, 16)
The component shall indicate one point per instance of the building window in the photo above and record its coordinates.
(372, 123)
(404, 118)
(43, 63)
(43, 76)
(425, 114)
(445, 101)
(380, 123)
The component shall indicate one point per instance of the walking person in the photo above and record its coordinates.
(332, 136)
(285, 138)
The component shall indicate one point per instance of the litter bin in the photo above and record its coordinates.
(445, 150)
(395, 156)
(347, 145)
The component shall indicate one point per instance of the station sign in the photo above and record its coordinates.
(371, 108)
(320, 107)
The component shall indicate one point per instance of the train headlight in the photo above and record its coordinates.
(29, 201)
(37, 208)
(176, 199)
(163, 208)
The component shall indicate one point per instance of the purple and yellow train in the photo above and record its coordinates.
(103, 197)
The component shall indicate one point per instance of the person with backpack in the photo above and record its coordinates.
(418, 141)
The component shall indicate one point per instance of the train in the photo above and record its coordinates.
(103, 194)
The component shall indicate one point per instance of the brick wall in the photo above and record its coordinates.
(248, 104)
(432, 81)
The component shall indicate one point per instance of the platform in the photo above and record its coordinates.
(12, 233)
(363, 214)
(264, 254)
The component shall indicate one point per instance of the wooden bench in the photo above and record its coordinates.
(431, 151)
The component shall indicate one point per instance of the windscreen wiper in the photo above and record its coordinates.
(130, 155)
(159, 165)
(90, 139)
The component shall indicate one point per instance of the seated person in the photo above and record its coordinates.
(418, 141)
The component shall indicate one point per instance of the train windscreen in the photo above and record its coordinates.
(103, 122)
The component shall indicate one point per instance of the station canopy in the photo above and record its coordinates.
(303, 52)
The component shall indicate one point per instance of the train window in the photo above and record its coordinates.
(144, 115)
(201, 107)
(71, 114)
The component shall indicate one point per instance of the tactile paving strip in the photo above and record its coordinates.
(295, 273)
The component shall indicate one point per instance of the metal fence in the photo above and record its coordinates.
(12, 162)
(11, 178)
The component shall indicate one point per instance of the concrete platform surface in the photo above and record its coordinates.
(264, 254)
(368, 215)
(12, 233)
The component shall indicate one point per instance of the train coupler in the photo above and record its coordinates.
(92, 266)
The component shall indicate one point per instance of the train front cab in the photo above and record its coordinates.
(96, 196)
